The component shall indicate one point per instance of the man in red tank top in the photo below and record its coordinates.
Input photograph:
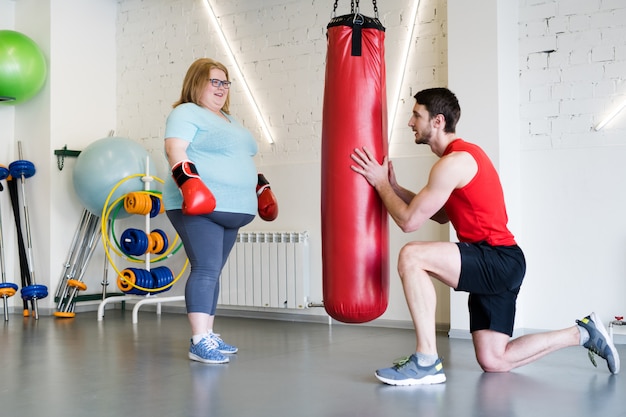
(464, 189)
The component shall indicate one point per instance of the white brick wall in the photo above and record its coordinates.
(281, 47)
(572, 65)
(572, 71)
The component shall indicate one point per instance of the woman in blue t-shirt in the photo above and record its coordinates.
(211, 156)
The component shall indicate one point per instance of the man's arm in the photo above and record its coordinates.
(403, 193)
(407, 195)
(448, 173)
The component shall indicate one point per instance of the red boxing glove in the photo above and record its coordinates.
(268, 206)
(197, 198)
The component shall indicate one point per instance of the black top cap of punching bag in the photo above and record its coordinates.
(357, 22)
(358, 19)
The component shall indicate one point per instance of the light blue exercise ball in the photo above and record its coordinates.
(103, 164)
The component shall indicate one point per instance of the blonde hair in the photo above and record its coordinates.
(196, 80)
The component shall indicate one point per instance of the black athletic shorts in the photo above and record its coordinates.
(492, 275)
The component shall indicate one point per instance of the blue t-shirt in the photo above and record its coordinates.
(221, 151)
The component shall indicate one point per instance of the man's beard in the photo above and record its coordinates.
(423, 139)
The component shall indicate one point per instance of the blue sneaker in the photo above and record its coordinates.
(222, 346)
(406, 371)
(206, 351)
(599, 342)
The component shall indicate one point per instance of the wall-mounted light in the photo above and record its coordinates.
(611, 115)
(237, 69)
(402, 67)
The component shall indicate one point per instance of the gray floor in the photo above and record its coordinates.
(82, 367)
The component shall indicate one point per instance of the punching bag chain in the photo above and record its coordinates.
(355, 10)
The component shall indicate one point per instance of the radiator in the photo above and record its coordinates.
(267, 269)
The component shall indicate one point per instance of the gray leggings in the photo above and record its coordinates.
(208, 240)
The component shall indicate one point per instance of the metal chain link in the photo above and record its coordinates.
(354, 9)
(60, 162)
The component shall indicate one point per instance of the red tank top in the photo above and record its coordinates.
(477, 211)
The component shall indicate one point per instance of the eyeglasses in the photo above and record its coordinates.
(219, 83)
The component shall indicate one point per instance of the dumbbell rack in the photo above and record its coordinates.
(141, 300)
(81, 250)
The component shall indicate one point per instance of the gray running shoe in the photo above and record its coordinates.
(406, 371)
(599, 342)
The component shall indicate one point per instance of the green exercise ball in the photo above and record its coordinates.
(23, 68)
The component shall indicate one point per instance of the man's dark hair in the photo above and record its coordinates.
(441, 101)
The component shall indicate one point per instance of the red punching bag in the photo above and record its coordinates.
(354, 220)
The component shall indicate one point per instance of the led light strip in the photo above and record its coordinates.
(611, 116)
(414, 9)
(248, 92)
(237, 68)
